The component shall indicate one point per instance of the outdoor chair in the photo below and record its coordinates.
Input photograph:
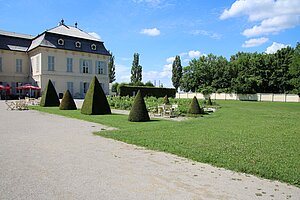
(10, 105)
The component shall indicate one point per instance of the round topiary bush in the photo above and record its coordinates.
(67, 102)
(194, 107)
(166, 100)
(139, 112)
(95, 102)
(49, 97)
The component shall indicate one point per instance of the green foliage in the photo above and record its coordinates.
(126, 90)
(136, 69)
(209, 102)
(166, 100)
(95, 102)
(176, 72)
(49, 97)
(139, 112)
(114, 87)
(111, 69)
(149, 84)
(245, 73)
(295, 70)
(195, 108)
(67, 102)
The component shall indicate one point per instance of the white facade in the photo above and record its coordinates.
(69, 57)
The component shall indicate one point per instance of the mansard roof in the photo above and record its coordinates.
(70, 36)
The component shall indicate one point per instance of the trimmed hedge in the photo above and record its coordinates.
(194, 107)
(139, 112)
(126, 90)
(95, 102)
(49, 97)
(67, 102)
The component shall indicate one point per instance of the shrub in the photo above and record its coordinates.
(49, 97)
(209, 102)
(139, 112)
(166, 100)
(194, 107)
(126, 90)
(67, 102)
(95, 102)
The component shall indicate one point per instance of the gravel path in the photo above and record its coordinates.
(44, 156)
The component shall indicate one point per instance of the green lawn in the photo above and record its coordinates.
(259, 138)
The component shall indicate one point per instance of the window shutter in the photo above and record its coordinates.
(81, 90)
(90, 66)
(96, 71)
(80, 65)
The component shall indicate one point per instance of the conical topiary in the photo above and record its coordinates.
(166, 100)
(49, 97)
(194, 107)
(139, 112)
(209, 101)
(67, 102)
(95, 102)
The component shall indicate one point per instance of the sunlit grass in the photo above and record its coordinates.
(259, 138)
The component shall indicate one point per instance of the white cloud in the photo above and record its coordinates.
(212, 35)
(123, 73)
(275, 47)
(194, 54)
(255, 42)
(150, 31)
(170, 59)
(272, 16)
(95, 35)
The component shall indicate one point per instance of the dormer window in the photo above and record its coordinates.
(60, 42)
(94, 47)
(77, 44)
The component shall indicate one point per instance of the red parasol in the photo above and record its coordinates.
(28, 87)
(2, 87)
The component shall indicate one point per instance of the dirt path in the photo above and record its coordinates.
(45, 156)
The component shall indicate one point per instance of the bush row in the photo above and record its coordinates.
(126, 90)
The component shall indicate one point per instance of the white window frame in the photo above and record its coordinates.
(0, 64)
(60, 42)
(85, 66)
(51, 63)
(19, 65)
(101, 67)
(69, 64)
(78, 44)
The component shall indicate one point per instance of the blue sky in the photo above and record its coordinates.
(161, 29)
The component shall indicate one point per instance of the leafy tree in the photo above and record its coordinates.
(176, 72)
(49, 97)
(111, 69)
(114, 87)
(136, 70)
(295, 70)
(149, 84)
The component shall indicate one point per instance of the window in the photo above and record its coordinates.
(0, 64)
(77, 44)
(70, 87)
(85, 87)
(60, 42)
(69, 64)
(85, 66)
(100, 67)
(50, 63)
(19, 65)
(94, 47)
(37, 69)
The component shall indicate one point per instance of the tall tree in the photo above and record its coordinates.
(176, 72)
(111, 69)
(295, 69)
(136, 70)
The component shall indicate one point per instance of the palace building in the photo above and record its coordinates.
(66, 55)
